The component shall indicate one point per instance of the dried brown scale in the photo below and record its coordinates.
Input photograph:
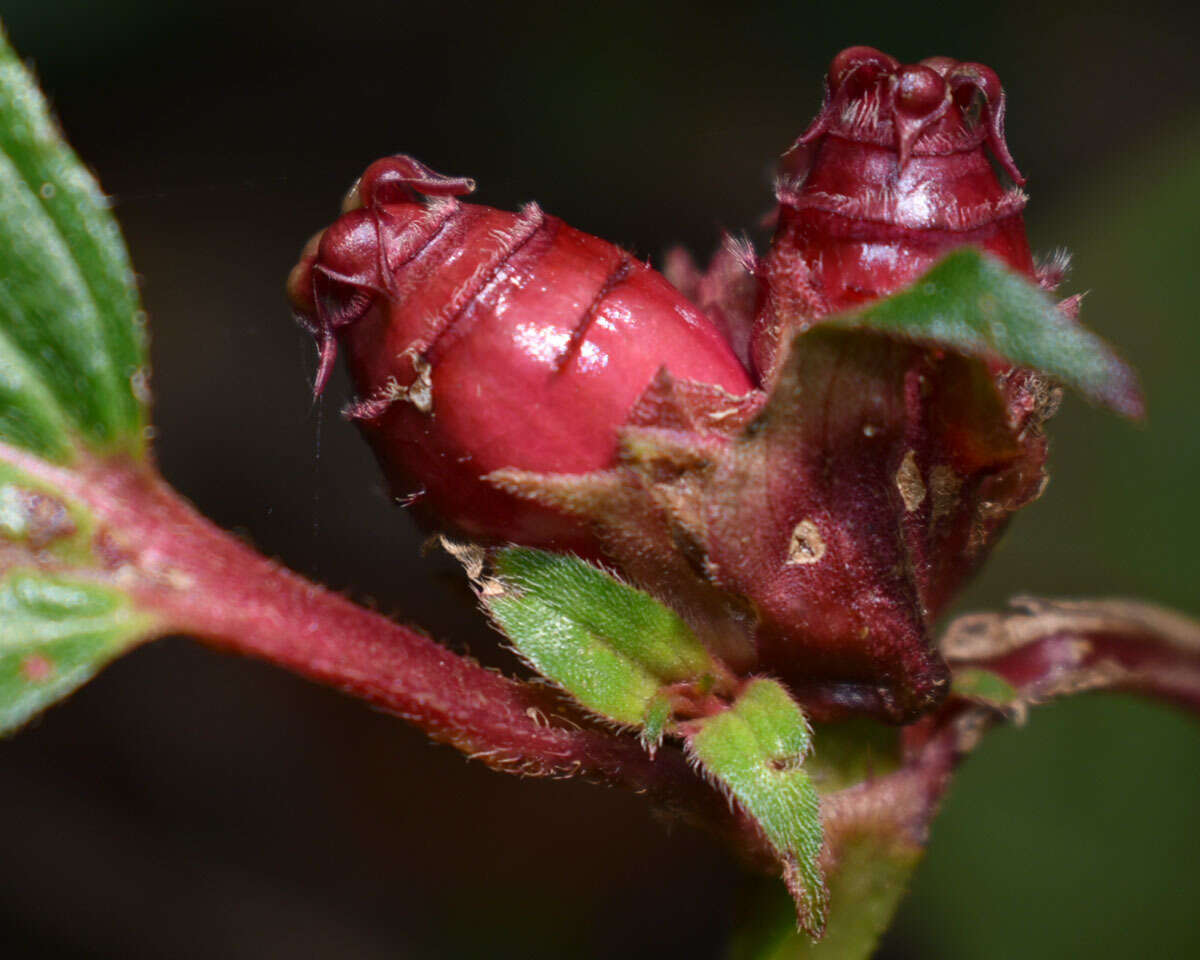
(32, 517)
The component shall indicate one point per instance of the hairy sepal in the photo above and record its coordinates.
(755, 751)
(615, 649)
(629, 659)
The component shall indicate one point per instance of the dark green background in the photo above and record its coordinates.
(191, 805)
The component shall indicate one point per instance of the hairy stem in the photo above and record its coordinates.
(207, 583)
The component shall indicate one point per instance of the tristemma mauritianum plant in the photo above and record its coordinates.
(719, 514)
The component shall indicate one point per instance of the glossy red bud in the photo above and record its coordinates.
(892, 174)
(481, 340)
(532, 383)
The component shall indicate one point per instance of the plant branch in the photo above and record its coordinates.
(202, 581)
(1043, 649)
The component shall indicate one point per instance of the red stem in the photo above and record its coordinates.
(202, 581)
(206, 583)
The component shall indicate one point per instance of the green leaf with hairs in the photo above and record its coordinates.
(872, 860)
(756, 750)
(973, 304)
(72, 350)
(609, 645)
(55, 633)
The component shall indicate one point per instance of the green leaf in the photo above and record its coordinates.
(973, 304)
(873, 860)
(72, 378)
(756, 750)
(72, 349)
(608, 644)
(655, 718)
(55, 633)
(984, 686)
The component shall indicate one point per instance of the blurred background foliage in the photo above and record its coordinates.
(189, 805)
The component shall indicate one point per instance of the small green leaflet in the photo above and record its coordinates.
(870, 869)
(756, 750)
(984, 686)
(612, 647)
(55, 633)
(72, 351)
(971, 303)
(617, 650)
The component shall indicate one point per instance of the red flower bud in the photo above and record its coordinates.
(483, 340)
(539, 385)
(891, 175)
